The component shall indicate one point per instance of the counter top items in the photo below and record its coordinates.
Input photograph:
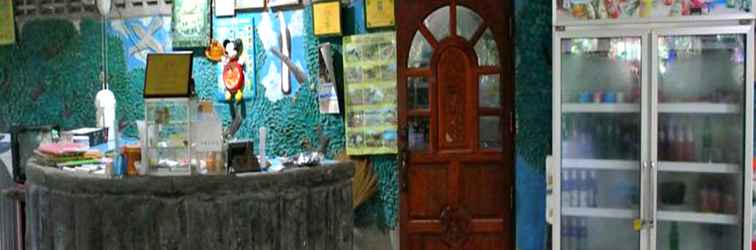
(5, 143)
(24, 141)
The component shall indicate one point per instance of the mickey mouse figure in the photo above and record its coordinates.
(233, 71)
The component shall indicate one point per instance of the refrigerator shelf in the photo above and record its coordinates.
(600, 108)
(612, 213)
(699, 167)
(622, 165)
(699, 107)
(706, 218)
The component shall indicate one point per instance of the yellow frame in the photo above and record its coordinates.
(380, 13)
(326, 17)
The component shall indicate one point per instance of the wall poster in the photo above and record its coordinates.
(370, 93)
(379, 13)
(242, 28)
(191, 23)
(7, 26)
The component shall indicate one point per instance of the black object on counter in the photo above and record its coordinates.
(241, 158)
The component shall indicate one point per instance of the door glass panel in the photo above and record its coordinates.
(596, 233)
(417, 92)
(438, 23)
(420, 52)
(419, 131)
(700, 146)
(467, 22)
(490, 132)
(671, 235)
(489, 91)
(486, 49)
(600, 84)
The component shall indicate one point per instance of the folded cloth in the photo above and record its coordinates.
(58, 149)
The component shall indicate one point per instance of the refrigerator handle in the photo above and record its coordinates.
(644, 190)
(654, 194)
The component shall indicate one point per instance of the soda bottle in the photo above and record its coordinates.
(663, 143)
(564, 228)
(593, 189)
(567, 138)
(689, 144)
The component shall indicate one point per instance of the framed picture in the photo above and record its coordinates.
(191, 23)
(250, 4)
(279, 3)
(327, 18)
(379, 13)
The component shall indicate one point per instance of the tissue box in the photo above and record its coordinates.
(96, 136)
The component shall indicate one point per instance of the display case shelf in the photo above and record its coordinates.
(613, 213)
(699, 107)
(623, 165)
(695, 217)
(699, 167)
(600, 108)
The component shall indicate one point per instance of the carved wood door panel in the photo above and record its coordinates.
(455, 66)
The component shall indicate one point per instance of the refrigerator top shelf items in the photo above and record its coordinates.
(600, 108)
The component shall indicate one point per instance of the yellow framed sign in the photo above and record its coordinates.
(326, 17)
(168, 75)
(7, 25)
(379, 13)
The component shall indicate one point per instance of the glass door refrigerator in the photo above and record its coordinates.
(652, 137)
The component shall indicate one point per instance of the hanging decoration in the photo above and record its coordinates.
(215, 51)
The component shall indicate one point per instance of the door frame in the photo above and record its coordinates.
(504, 36)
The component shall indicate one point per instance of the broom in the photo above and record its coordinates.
(364, 182)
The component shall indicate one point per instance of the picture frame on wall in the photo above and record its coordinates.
(327, 18)
(379, 13)
(281, 3)
(7, 24)
(191, 23)
(250, 4)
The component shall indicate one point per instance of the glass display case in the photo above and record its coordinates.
(651, 138)
(168, 124)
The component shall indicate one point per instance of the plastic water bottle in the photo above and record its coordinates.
(566, 188)
(568, 240)
(582, 238)
(574, 190)
(583, 189)
(592, 189)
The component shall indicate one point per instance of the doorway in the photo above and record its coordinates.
(456, 104)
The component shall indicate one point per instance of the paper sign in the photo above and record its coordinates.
(225, 7)
(379, 13)
(250, 4)
(191, 23)
(328, 99)
(327, 18)
(7, 26)
(208, 136)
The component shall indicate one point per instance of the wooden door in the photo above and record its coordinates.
(455, 66)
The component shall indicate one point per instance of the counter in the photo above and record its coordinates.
(308, 208)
